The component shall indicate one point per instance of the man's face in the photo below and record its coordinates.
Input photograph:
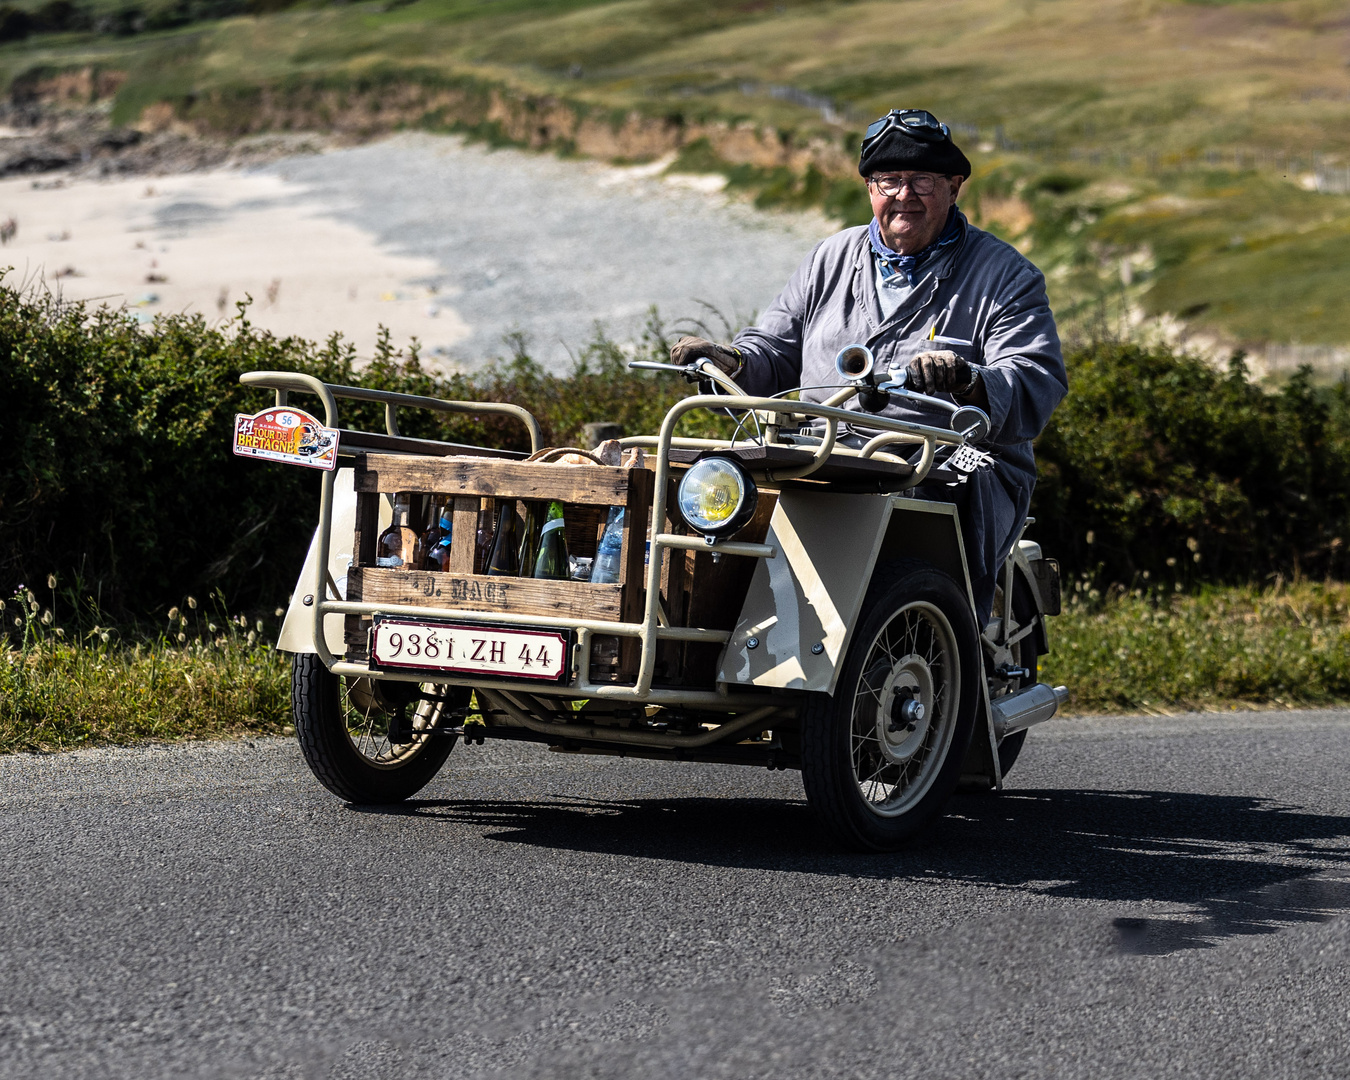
(910, 221)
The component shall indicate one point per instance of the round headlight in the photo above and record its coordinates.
(717, 497)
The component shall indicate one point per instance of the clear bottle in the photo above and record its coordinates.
(552, 559)
(398, 545)
(605, 569)
(437, 539)
(482, 546)
(504, 560)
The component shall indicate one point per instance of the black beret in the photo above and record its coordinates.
(896, 151)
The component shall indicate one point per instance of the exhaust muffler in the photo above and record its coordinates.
(1034, 705)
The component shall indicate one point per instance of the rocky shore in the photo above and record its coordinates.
(37, 139)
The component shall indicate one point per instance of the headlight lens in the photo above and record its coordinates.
(717, 497)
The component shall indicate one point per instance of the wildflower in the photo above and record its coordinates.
(1171, 560)
(260, 626)
(31, 598)
(33, 607)
(51, 581)
(104, 637)
(182, 638)
(173, 614)
(2, 607)
(252, 637)
(1192, 544)
(211, 627)
(18, 622)
(192, 602)
(1196, 557)
(182, 621)
(1091, 537)
(60, 633)
(279, 612)
(46, 618)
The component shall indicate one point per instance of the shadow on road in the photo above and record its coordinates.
(1243, 865)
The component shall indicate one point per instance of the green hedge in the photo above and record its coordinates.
(1160, 466)
(118, 478)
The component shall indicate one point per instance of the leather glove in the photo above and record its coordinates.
(940, 373)
(688, 349)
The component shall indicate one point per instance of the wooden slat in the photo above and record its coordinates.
(356, 635)
(591, 485)
(465, 534)
(367, 532)
(473, 592)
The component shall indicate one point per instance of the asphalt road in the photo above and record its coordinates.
(1147, 899)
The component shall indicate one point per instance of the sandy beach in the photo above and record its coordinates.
(452, 244)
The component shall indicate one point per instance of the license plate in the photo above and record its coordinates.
(473, 650)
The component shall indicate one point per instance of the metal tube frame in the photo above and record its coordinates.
(283, 382)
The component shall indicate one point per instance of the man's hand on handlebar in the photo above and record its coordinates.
(938, 373)
(688, 349)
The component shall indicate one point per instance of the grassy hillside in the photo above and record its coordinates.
(1152, 154)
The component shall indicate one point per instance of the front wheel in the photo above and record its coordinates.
(882, 755)
(343, 726)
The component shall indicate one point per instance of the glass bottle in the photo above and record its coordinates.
(605, 569)
(398, 545)
(436, 540)
(552, 559)
(529, 537)
(504, 560)
(482, 547)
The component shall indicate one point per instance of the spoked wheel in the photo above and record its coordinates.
(1025, 655)
(344, 730)
(881, 756)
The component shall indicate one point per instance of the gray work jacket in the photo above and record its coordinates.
(981, 299)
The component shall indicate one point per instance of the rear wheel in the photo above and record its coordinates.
(882, 755)
(344, 728)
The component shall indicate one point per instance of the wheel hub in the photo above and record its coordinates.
(905, 708)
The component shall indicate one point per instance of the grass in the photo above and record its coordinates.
(199, 676)
(204, 676)
(1137, 651)
(1135, 97)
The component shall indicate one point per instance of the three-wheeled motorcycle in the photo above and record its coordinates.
(778, 599)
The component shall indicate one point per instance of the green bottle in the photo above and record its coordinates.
(552, 559)
(529, 537)
(505, 546)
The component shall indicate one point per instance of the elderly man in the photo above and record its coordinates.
(925, 290)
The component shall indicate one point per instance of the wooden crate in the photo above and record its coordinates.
(585, 490)
(695, 589)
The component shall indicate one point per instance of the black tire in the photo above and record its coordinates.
(342, 726)
(1026, 654)
(915, 640)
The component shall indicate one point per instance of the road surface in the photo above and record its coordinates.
(1148, 898)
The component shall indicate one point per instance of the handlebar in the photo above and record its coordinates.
(702, 368)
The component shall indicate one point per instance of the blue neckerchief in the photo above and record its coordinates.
(892, 262)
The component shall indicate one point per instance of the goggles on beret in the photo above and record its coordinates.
(916, 123)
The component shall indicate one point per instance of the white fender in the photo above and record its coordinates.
(297, 631)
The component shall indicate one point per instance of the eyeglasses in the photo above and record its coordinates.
(916, 123)
(891, 184)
